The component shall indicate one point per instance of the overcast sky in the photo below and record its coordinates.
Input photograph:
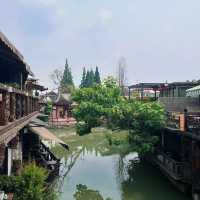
(160, 39)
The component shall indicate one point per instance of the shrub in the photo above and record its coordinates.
(30, 185)
(83, 128)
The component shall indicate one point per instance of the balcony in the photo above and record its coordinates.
(16, 108)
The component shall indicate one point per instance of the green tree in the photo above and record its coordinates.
(67, 83)
(87, 79)
(91, 78)
(97, 78)
(83, 80)
(104, 103)
(94, 103)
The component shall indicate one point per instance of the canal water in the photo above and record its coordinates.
(114, 177)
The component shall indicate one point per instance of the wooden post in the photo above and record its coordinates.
(182, 122)
(23, 106)
(4, 107)
(12, 107)
(2, 156)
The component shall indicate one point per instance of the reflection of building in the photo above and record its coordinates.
(20, 134)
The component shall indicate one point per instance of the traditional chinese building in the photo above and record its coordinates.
(62, 111)
(21, 134)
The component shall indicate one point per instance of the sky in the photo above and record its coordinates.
(160, 39)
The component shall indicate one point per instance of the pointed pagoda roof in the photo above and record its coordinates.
(63, 99)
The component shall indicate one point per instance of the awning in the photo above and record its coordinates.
(46, 134)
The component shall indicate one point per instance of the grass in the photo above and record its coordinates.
(98, 140)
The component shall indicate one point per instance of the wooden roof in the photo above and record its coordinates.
(5, 40)
(146, 85)
(16, 52)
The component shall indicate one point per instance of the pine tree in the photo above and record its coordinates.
(87, 79)
(91, 79)
(67, 79)
(83, 81)
(97, 78)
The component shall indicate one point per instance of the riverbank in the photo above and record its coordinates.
(105, 141)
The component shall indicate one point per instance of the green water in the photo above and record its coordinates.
(118, 178)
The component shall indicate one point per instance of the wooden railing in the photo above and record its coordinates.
(15, 104)
(187, 121)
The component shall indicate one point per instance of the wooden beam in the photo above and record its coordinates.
(11, 130)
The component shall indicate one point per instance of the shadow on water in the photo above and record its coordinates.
(117, 177)
(146, 182)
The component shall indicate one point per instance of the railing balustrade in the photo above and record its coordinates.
(187, 121)
(171, 165)
(15, 104)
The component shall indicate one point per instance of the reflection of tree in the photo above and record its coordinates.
(145, 182)
(83, 193)
(67, 165)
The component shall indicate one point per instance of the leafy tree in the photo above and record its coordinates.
(56, 77)
(94, 103)
(97, 78)
(83, 81)
(67, 79)
(104, 103)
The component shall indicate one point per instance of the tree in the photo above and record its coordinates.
(104, 103)
(87, 79)
(94, 102)
(67, 80)
(97, 78)
(91, 79)
(83, 80)
(56, 77)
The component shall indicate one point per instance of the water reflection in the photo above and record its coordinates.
(84, 193)
(88, 173)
